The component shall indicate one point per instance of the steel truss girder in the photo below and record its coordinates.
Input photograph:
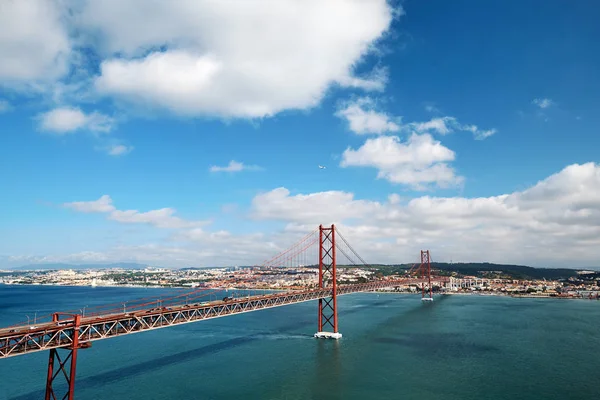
(61, 334)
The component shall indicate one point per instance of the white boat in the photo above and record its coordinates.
(427, 299)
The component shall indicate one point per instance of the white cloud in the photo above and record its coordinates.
(246, 249)
(543, 103)
(373, 81)
(418, 162)
(102, 205)
(445, 125)
(161, 218)
(442, 126)
(80, 257)
(70, 119)
(479, 134)
(394, 198)
(363, 118)
(194, 57)
(202, 250)
(34, 41)
(119, 149)
(554, 223)
(234, 166)
(62, 120)
(278, 204)
(4, 106)
(231, 59)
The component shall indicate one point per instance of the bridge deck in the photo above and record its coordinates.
(21, 340)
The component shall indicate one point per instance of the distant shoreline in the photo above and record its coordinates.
(497, 294)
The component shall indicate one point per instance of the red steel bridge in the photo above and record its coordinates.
(64, 333)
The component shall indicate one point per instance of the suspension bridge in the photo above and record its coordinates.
(65, 333)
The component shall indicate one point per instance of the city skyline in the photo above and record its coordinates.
(201, 140)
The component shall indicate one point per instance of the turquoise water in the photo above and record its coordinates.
(394, 347)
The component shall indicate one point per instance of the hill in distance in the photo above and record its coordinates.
(516, 271)
(494, 270)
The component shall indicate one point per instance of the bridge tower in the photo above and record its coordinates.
(327, 279)
(64, 367)
(425, 269)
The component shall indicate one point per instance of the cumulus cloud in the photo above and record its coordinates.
(195, 57)
(234, 166)
(34, 42)
(65, 120)
(161, 218)
(555, 222)
(543, 102)
(363, 118)
(230, 59)
(313, 206)
(419, 162)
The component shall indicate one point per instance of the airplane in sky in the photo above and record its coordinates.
(322, 167)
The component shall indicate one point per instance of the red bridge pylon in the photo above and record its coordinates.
(65, 367)
(327, 278)
(425, 273)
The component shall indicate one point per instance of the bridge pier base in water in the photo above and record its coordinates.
(328, 335)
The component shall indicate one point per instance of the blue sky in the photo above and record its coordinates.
(469, 128)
